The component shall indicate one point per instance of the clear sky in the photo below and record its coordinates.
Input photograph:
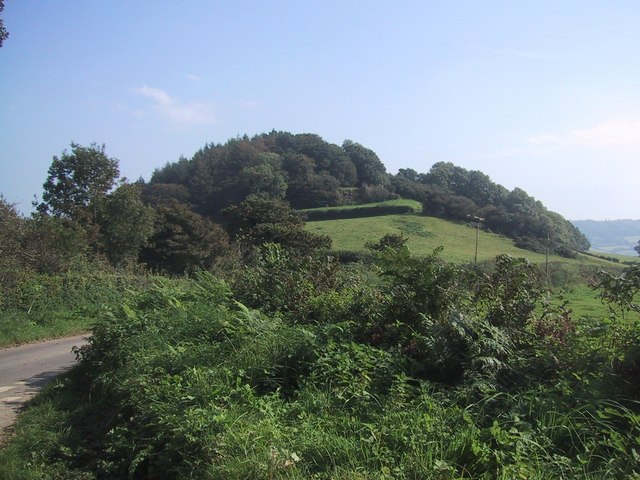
(541, 95)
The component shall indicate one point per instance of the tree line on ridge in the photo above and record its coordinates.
(193, 212)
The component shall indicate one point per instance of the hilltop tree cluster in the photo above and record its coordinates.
(303, 170)
(308, 172)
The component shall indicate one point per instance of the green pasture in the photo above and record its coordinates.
(428, 233)
(585, 303)
(616, 256)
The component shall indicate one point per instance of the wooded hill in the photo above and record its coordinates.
(308, 172)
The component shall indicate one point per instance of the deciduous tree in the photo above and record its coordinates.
(260, 220)
(77, 182)
(369, 167)
(11, 232)
(126, 224)
(183, 241)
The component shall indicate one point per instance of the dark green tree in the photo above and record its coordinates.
(126, 224)
(408, 173)
(77, 182)
(54, 245)
(3, 31)
(369, 167)
(442, 175)
(163, 194)
(183, 241)
(637, 247)
(42, 243)
(307, 188)
(266, 177)
(260, 220)
(12, 227)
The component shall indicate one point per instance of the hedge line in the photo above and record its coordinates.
(356, 212)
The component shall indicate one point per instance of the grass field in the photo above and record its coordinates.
(427, 233)
(458, 239)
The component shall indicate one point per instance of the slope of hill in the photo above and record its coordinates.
(428, 233)
(611, 236)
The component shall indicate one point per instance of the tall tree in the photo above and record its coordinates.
(259, 220)
(369, 167)
(77, 182)
(183, 241)
(126, 224)
(3, 31)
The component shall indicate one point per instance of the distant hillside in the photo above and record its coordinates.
(611, 236)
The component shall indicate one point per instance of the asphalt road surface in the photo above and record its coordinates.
(24, 370)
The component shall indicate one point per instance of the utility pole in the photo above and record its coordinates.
(478, 221)
(546, 259)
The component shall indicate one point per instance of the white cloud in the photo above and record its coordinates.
(194, 78)
(191, 113)
(588, 172)
(620, 134)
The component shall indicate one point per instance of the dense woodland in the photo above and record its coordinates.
(228, 342)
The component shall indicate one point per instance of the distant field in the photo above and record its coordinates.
(427, 233)
(623, 251)
(617, 256)
(611, 236)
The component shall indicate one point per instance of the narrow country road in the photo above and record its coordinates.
(24, 370)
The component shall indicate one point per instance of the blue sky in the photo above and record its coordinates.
(541, 95)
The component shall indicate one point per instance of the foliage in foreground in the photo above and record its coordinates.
(398, 374)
